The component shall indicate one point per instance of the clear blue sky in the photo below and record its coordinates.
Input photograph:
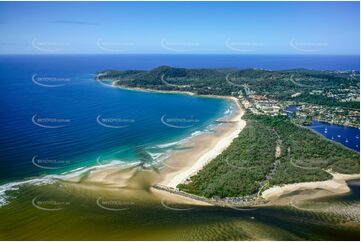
(180, 27)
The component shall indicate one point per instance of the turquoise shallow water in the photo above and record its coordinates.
(74, 106)
(57, 118)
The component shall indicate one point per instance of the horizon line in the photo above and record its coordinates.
(180, 54)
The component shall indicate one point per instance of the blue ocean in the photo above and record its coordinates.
(56, 118)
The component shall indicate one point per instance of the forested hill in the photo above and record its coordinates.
(329, 88)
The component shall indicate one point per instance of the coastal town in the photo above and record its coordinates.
(303, 113)
(326, 96)
(180, 120)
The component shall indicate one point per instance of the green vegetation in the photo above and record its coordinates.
(240, 168)
(305, 154)
(249, 162)
(243, 166)
(327, 88)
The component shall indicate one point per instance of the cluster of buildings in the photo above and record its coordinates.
(350, 94)
(333, 115)
(260, 104)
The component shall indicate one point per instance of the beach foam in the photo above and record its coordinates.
(204, 155)
(50, 179)
(166, 145)
(13, 186)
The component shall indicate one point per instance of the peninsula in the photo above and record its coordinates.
(274, 149)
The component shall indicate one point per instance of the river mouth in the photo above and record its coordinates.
(124, 207)
(73, 211)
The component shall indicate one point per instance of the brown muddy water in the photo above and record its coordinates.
(66, 211)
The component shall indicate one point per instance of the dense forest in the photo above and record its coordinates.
(280, 85)
(249, 163)
(244, 165)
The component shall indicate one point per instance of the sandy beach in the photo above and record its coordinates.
(201, 149)
(205, 147)
(282, 195)
(178, 166)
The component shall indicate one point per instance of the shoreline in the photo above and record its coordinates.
(283, 195)
(279, 195)
(340, 125)
(176, 172)
(139, 89)
(334, 141)
(180, 165)
(201, 155)
(115, 176)
(227, 132)
(334, 187)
